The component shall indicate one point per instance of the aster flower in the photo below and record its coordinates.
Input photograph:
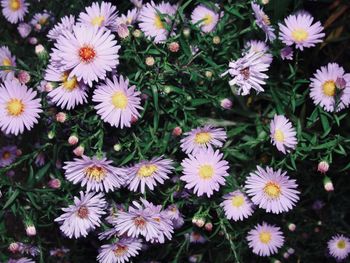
(66, 23)
(117, 102)
(40, 20)
(339, 247)
(287, 53)
(70, 92)
(130, 18)
(151, 22)
(120, 251)
(272, 190)
(97, 174)
(89, 52)
(21, 260)
(299, 30)
(196, 237)
(7, 60)
(103, 16)
(265, 239)
(326, 89)
(237, 206)
(148, 173)
(175, 216)
(18, 107)
(263, 21)
(204, 171)
(7, 155)
(258, 46)
(206, 18)
(248, 72)
(83, 216)
(14, 10)
(282, 134)
(203, 138)
(24, 29)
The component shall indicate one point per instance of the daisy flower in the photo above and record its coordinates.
(8, 155)
(327, 90)
(258, 46)
(237, 206)
(148, 173)
(7, 60)
(24, 29)
(299, 30)
(265, 239)
(40, 20)
(83, 216)
(120, 251)
(117, 102)
(14, 10)
(272, 190)
(130, 18)
(247, 72)
(283, 134)
(339, 247)
(70, 92)
(103, 15)
(18, 107)
(97, 174)
(175, 216)
(151, 22)
(89, 52)
(66, 23)
(263, 21)
(203, 138)
(204, 171)
(206, 18)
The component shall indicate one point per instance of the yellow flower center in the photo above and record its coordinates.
(6, 155)
(238, 201)
(206, 171)
(208, 19)
(96, 173)
(98, 20)
(15, 107)
(119, 100)
(15, 5)
(265, 237)
(43, 20)
(266, 19)
(300, 35)
(279, 136)
(120, 250)
(329, 88)
(158, 23)
(69, 84)
(202, 137)
(147, 170)
(272, 189)
(6, 62)
(341, 244)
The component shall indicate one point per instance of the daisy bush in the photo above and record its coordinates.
(174, 131)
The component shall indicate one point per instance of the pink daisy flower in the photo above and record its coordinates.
(120, 251)
(148, 173)
(258, 46)
(66, 23)
(272, 190)
(14, 10)
(206, 18)
(327, 90)
(97, 174)
(265, 239)
(83, 216)
(203, 138)
(205, 171)
(89, 52)
(263, 21)
(103, 15)
(18, 107)
(151, 22)
(70, 92)
(7, 60)
(117, 102)
(299, 30)
(283, 134)
(8, 155)
(247, 72)
(237, 206)
(339, 247)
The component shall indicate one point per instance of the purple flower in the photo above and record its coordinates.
(287, 53)
(66, 24)
(237, 206)
(175, 216)
(258, 46)
(21, 260)
(283, 134)
(7, 155)
(339, 247)
(24, 29)
(14, 10)
(7, 60)
(204, 17)
(40, 20)
(129, 19)
(263, 21)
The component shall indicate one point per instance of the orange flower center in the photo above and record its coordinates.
(14, 5)
(120, 250)
(6, 155)
(96, 173)
(140, 222)
(83, 212)
(87, 54)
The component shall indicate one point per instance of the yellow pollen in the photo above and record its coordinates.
(6, 62)
(15, 5)
(147, 170)
(158, 23)
(15, 107)
(272, 189)
(6, 155)
(206, 171)
(98, 20)
(120, 250)
(208, 19)
(265, 237)
(202, 137)
(329, 88)
(341, 244)
(266, 19)
(300, 35)
(69, 84)
(279, 136)
(119, 100)
(238, 201)
(42, 21)
(96, 173)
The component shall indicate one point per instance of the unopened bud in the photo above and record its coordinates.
(186, 32)
(61, 117)
(150, 61)
(23, 77)
(137, 33)
(174, 47)
(54, 183)
(323, 167)
(79, 151)
(73, 139)
(123, 31)
(328, 185)
(30, 230)
(216, 40)
(208, 226)
(177, 131)
(292, 227)
(226, 104)
(14, 247)
(117, 147)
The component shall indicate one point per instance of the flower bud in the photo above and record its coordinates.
(323, 167)
(292, 227)
(48, 87)
(24, 29)
(340, 83)
(150, 61)
(198, 221)
(133, 119)
(208, 226)
(79, 151)
(174, 47)
(286, 255)
(23, 77)
(73, 139)
(61, 117)
(14, 247)
(287, 53)
(186, 32)
(33, 40)
(39, 49)
(30, 230)
(117, 147)
(291, 251)
(137, 33)
(328, 185)
(51, 135)
(226, 104)
(54, 183)
(177, 131)
(123, 31)
(216, 40)
(208, 74)
(265, 2)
